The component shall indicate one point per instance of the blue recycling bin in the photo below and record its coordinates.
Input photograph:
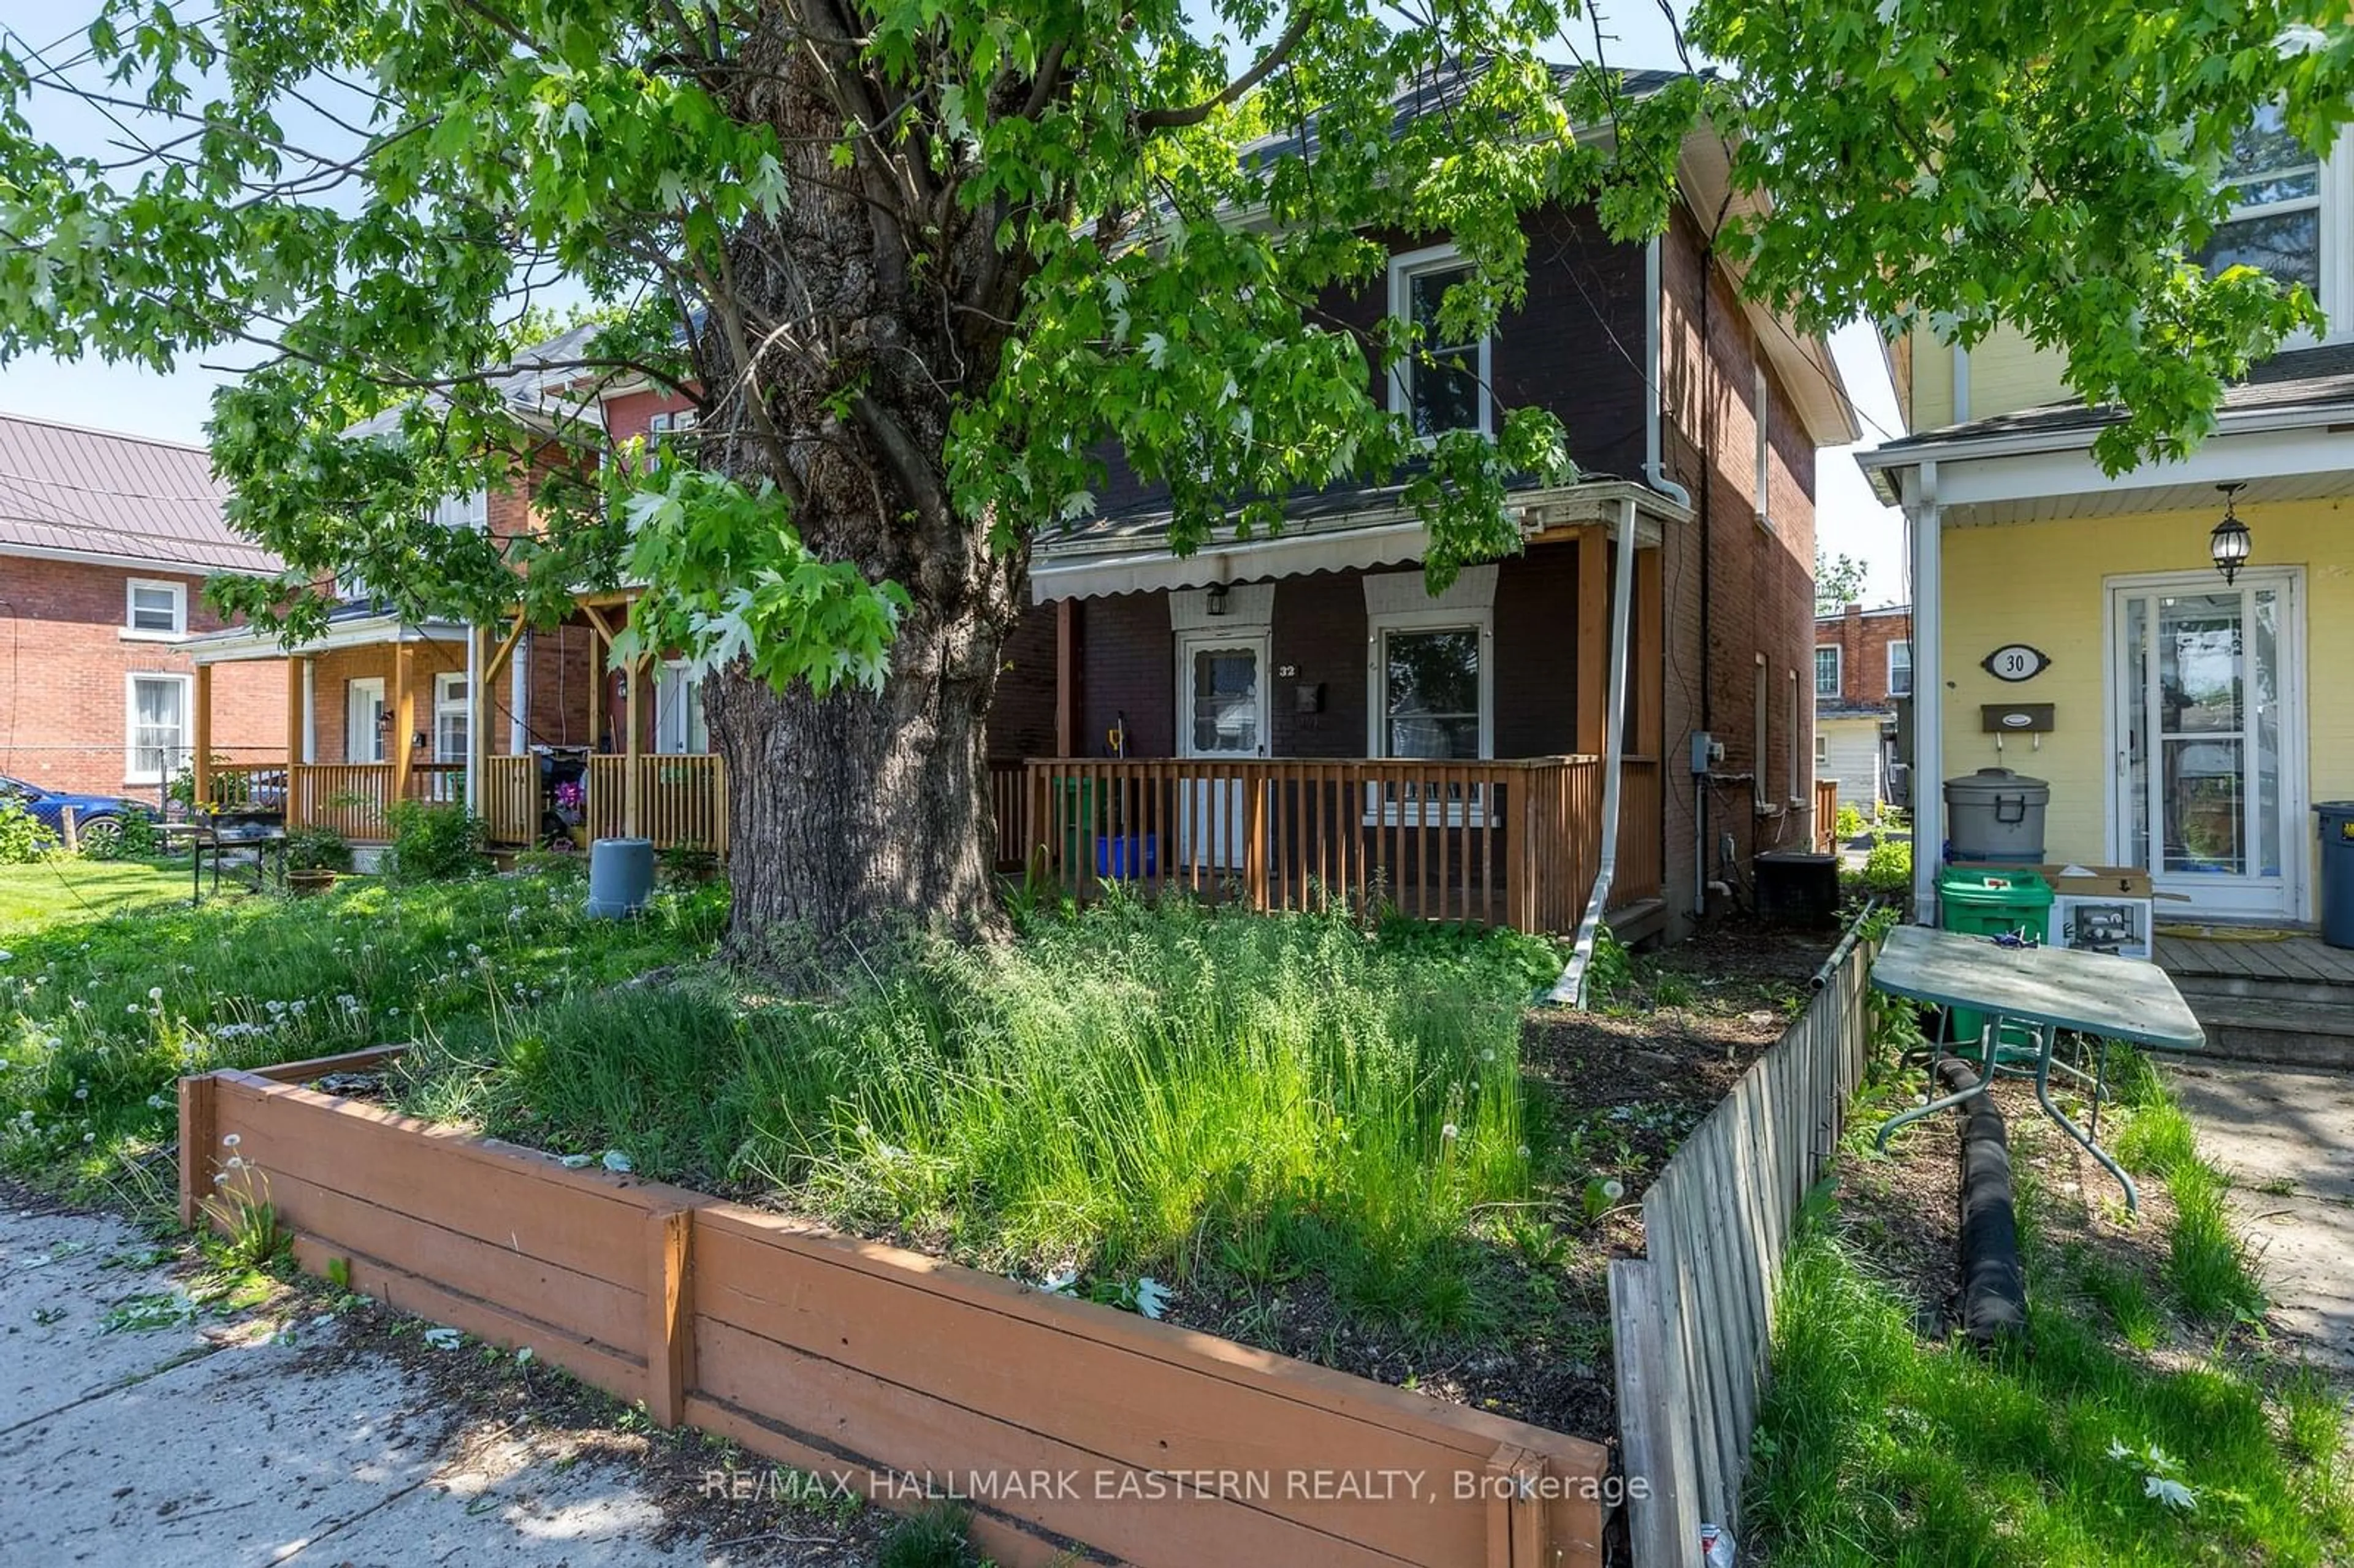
(2336, 872)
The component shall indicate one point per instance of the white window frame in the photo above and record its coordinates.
(131, 772)
(132, 631)
(1797, 722)
(1762, 501)
(470, 512)
(1893, 644)
(1839, 670)
(1404, 268)
(380, 745)
(2335, 262)
(688, 702)
(1381, 809)
(1760, 736)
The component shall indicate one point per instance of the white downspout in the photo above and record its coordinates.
(309, 710)
(477, 710)
(1655, 475)
(1570, 987)
(519, 697)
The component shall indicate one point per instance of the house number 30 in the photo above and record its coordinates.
(2016, 661)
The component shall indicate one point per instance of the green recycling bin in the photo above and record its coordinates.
(1079, 813)
(1981, 901)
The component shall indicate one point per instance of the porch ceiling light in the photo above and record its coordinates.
(2229, 542)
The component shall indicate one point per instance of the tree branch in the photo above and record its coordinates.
(1177, 118)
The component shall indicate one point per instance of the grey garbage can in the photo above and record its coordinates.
(2336, 872)
(1996, 815)
(620, 878)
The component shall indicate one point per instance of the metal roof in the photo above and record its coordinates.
(73, 492)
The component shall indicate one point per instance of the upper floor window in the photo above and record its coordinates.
(464, 511)
(673, 431)
(1443, 385)
(151, 606)
(1826, 670)
(2275, 222)
(1900, 668)
(1764, 502)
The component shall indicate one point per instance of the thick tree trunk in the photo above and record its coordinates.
(842, 337)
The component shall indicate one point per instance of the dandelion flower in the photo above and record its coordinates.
(232, 1139)
(155, 994)
(1451, 1132)
(1614, 1189)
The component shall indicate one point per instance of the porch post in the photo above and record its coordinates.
(201, 764)
(633, 677)
(1925, 518)
(481, 671)
(1650, 663)
(1066, 677)
(1593, 639)
(404, 721)
(297, 716)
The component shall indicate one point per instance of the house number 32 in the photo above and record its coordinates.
(2016, 661)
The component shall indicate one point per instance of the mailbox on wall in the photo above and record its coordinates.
(2015, 719)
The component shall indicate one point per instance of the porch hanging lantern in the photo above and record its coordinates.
(1215, 601)
(2229, 542)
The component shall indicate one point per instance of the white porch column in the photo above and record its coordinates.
(1924, 519)
(519, 695)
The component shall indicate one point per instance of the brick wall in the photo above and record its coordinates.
(1862, 640)
(1021, 719)
(331, 687)
(65, 662)
(1757, 600)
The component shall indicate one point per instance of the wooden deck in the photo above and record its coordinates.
(2295, 957)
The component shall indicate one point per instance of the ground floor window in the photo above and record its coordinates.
(156, 727)
(451, 717)
(1431, 698)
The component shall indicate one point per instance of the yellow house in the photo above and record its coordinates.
(2078, 628)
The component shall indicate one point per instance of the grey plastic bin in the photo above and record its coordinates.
(620, 878)
(1996, 815)
(2336, 872)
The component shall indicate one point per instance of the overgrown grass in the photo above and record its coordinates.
(100, 1013)
(1124, 1092)
(1875, 1447)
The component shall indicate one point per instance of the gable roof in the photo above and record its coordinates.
(69, 492)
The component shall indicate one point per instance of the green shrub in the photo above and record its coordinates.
(1848, 823)
(936, 1538)
(1888, 869)
(317, 849)
(23, 836)
(434, 843)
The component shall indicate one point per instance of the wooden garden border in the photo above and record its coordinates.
(911, 1376)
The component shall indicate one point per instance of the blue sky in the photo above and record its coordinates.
(173, 407)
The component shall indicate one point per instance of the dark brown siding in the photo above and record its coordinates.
(1022, 717)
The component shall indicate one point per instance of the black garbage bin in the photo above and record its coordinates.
(2336, 872)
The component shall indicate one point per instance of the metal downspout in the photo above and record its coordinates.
(1570, 987)
(1655, 475)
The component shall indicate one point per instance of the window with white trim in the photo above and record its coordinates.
(1827, 670)
(154, 606)
(673, 432)
(1822, 753)
(1443, 385)
(463, 514)
(2276, 225)
(154, 726)
(1760, 723)
(678, 711)
(1430, 692)
(1763, 501)
(453, 716)
(1900, 668)
(1797, 784)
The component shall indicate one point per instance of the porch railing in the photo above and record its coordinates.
(246, 787)
(509, 802)
(1009, 803)
(1512, 843)
(346, 798)
(681, 799)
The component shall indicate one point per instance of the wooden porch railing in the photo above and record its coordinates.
(509, 801)
(681, 799)
(347, 798)
(1009, 803)
(1510, 843)
(246, 787)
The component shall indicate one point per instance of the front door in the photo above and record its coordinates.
(364, 720)
(1222, 712)
(2206, 729)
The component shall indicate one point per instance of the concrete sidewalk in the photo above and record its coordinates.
(2287, 1138)
(234, 1442)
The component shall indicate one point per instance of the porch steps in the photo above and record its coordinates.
(1640, 921)
(2288, 1002)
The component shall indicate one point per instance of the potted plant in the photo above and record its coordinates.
(314, 856)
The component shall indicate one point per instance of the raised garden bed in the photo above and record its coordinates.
(1081, 1424)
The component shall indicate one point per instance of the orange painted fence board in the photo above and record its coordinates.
(1826, 815)
(1075, 1423)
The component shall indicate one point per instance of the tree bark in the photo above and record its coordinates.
(844, 333)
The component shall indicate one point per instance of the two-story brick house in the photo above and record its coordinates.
(1863, 666)
(1300, 710)
(105, 543)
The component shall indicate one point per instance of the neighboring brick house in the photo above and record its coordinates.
(105, 543)
(1687, 410)
(1863, 662)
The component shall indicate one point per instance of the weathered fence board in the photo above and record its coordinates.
(1696, 1315)
(828, 1352)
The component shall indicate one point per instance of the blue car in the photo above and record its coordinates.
(98, 819)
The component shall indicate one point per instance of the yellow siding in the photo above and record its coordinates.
(2007, 372)
(2043, 584)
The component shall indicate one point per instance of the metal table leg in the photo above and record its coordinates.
(2043, 1098)
(1945, 1102)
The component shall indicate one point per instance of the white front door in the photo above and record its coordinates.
(364, 720)
(1222, 712)
(2206, 726)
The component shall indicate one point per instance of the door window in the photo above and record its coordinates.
(364, 720)
(1225, 705)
